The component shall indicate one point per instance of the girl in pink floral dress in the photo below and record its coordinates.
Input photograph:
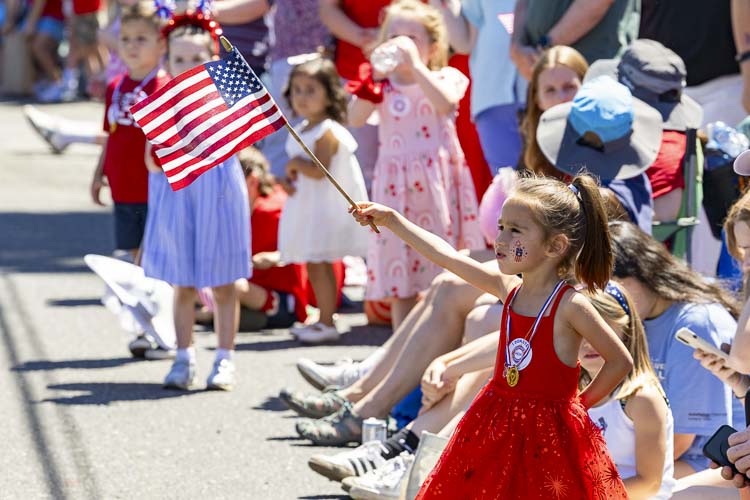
(421, 171)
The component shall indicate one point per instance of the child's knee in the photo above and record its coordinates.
(185, 293)
(224, 292)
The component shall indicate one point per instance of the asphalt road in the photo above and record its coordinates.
(80, 418)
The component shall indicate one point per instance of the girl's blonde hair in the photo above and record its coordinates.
(634, 338)
(430, 18)
(577, 211)
(740, 212)
(559, 55)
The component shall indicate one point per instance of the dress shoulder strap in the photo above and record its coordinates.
(560, 294)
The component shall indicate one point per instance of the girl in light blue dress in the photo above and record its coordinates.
(199, 236)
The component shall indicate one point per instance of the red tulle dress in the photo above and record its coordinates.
(531, 441)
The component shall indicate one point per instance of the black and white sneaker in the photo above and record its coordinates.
(356, 462)
(139, 345)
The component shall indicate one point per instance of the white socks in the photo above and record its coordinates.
(224, 354)
(186, 355)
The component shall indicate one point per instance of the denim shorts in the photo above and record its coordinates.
(130, 223)
(53, 28)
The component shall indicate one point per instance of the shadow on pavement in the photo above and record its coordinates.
(323, 497)
(94, 301)
(104, 393)
(53, 242)
(364, 335)
(272, 403)
(78, 364)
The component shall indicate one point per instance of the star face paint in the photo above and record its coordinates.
(519, 251)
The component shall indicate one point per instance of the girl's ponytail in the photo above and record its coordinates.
(593, 265)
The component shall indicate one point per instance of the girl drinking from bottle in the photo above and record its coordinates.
(527, 434)
(421, 170)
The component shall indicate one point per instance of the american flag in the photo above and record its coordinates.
(206, 115)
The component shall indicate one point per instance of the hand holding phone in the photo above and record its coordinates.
(692, 339)
(716, 447)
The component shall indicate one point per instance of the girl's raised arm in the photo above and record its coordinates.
(437, 250)
(583, 318)
(359, 110)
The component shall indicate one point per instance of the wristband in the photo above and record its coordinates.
(365, 87)
(742, 57)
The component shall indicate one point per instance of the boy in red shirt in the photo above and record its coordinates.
(122, 163)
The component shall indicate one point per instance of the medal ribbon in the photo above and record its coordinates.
(508, 359)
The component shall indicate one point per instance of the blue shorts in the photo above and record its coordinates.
(53, 28)
(130, 223)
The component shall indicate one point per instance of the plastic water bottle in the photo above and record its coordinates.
(722, 137)
(385, 58)
(374, 429)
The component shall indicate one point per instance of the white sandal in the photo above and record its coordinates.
(317, 333)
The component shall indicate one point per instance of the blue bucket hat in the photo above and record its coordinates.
(604, 130)
(656, 76)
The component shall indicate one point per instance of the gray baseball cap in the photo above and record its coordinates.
(656, 75)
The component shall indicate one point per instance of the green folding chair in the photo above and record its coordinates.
(679, 232)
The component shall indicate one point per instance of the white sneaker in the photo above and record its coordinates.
(383, 483)
(317, 333)
(343, 374)
(46, 126)
(222, 376)
(356, 462)
(181, 375)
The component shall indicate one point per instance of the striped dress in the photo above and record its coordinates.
(199, 236)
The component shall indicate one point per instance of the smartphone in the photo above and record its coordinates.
(691, 339)
(716, 447)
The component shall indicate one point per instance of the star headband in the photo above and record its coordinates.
(200, 18)
(616, 293)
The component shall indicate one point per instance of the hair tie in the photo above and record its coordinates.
(615, 292)
(574, 189)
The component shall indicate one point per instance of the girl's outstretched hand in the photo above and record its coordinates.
(368, 213)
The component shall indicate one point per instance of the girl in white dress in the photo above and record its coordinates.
(315, 227)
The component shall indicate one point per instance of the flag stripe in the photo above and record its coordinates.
(174, 165)
(178, 182)
(157, 100)
(168, 133)
(197, 95)
(201, 137)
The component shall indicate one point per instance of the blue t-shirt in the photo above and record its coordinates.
(700, 402)
(494, 78)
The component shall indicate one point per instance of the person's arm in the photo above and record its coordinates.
(98, 180)
(443, 96)
(739, 354)
(648, 411)
(741, 30)
(436, 249)
(32, 18)
(11, 14)
(522, 55)
(358, 111)
(739, 382)
(583, 318)
(343, 28)
(239, 11)
(682, 443)
(580, 18)
(325, 149)
(462, 35)
(442, 374)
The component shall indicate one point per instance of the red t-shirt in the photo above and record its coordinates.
(367, 15)
(52, 8)
(124, 163)
(81, 7)
(265, 230)
(666, 172)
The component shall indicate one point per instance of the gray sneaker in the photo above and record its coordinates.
(181, 375)
(222, 376)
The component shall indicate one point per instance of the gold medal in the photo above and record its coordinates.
(511, 376)
(112, 127)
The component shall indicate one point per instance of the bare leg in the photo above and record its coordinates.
(184, 315)
(43, 48)
(400, 309)
(323, 281)
(251, 295)
(226, 315)
(433, 326)
(437, 336)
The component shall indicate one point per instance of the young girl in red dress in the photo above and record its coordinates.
(527, 434)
